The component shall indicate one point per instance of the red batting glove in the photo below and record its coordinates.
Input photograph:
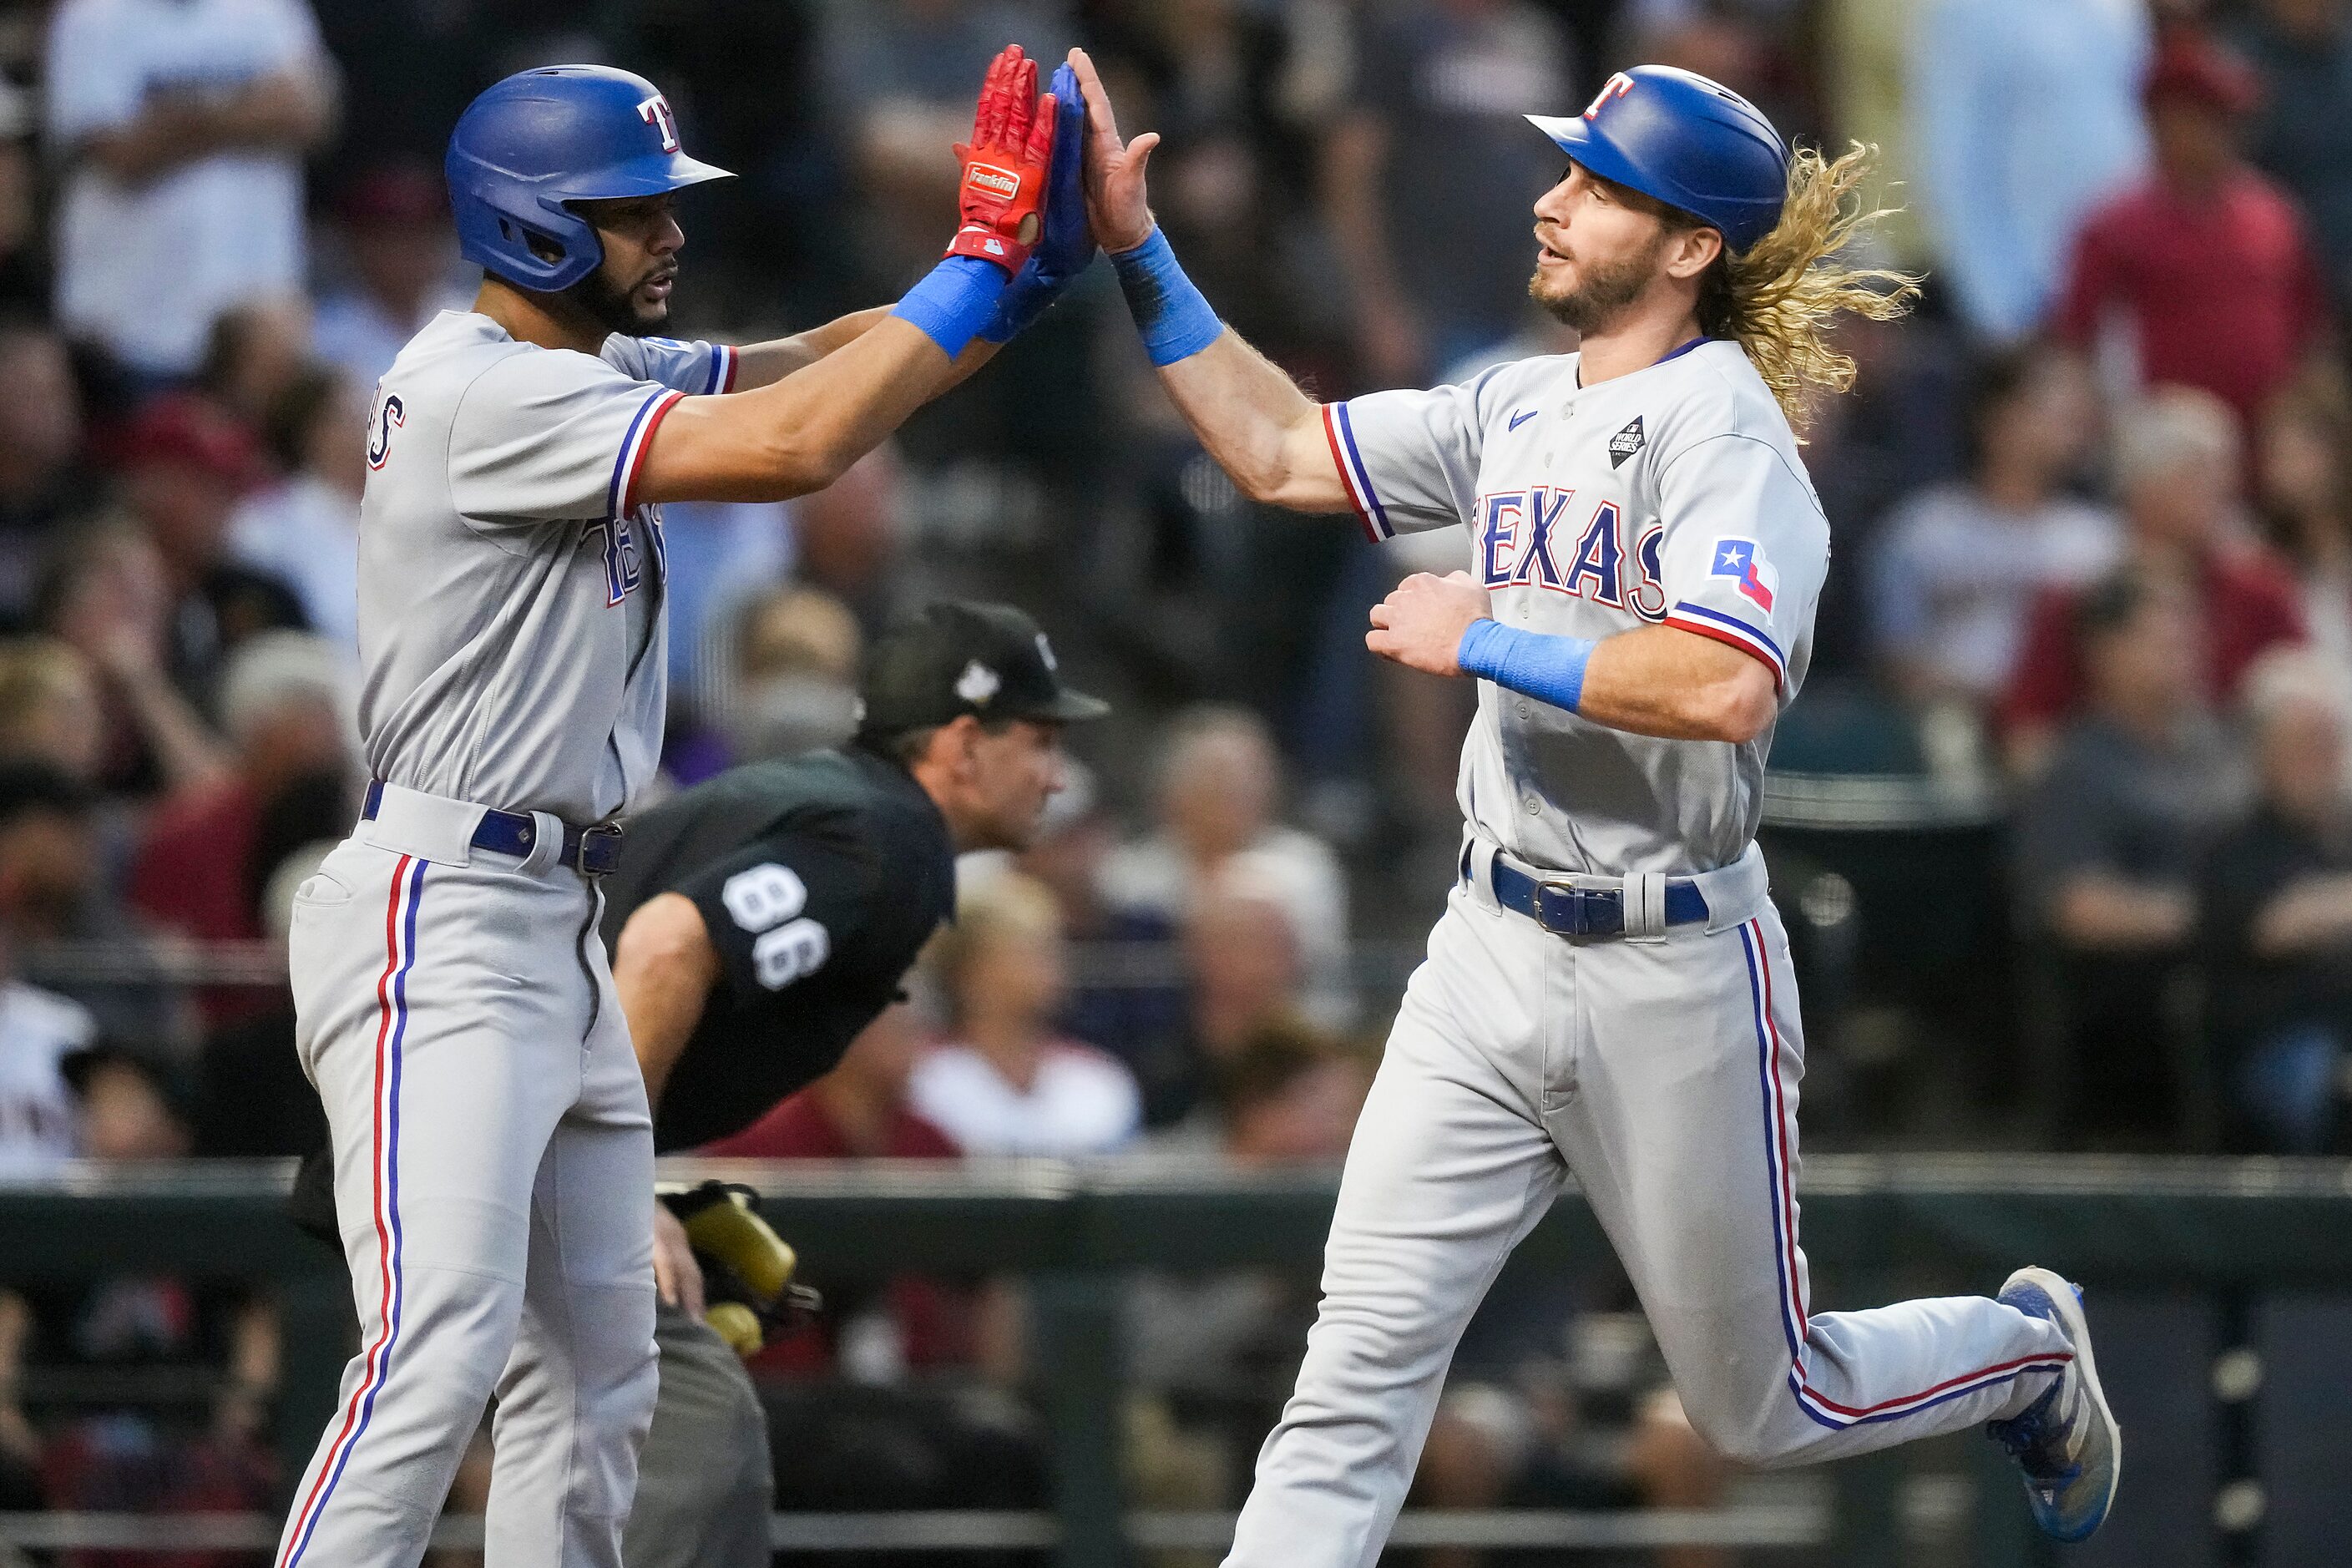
(1002, 188)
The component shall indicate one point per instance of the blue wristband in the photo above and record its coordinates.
(955, 300)
(1175, 321)
(1534, 664)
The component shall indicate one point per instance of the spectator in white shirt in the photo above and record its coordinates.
(306, 531)
(1958, 568)
(2025, 114)
(180, 126)
(38, 1030)
(1007, 1084)
(1220, 785)
(405, 270)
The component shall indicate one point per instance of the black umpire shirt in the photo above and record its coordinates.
(820, 878)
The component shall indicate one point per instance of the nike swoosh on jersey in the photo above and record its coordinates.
(1522, 416)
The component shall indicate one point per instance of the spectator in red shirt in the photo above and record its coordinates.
(2206, 267)
(209, 852)
(857, 1111)
(2176, 473)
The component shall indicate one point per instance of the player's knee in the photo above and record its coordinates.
(462, 1324)
(626, 1377)
(628, 1401)
(1746, 1428)
(1745, 1444)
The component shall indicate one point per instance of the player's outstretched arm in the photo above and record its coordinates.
(801, 432)
(1653, 680)
(764, 364)
(1265, 432)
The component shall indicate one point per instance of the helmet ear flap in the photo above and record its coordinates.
(521, 238)
(570, 246)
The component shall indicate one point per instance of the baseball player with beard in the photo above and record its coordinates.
(1609, 994)
(492, 1152)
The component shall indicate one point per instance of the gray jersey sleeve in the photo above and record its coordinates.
(1745, 547)
(1410, 459)
(539, 436)
(696, 368)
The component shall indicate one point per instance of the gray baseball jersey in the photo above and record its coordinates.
(1661, 1072)
(511, 610)
(453, 1006)
(1673, 495)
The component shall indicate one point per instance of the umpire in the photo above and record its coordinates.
(756, 924)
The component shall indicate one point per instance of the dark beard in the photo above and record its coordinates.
(610, 309)
(1602, 295)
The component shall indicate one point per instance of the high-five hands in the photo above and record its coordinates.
(1003, 180)
(1420, 623)
(1115, 205)
(1065, 244)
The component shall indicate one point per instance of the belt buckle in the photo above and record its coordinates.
(588, 850)
(1583, 904)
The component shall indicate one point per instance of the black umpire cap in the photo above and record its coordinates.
(955, 657)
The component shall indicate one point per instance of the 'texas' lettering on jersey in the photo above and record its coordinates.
(1534, 538)
(625, 555)
(390, 413)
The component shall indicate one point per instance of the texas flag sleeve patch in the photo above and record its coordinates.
(1751, 576)
(1743, 561)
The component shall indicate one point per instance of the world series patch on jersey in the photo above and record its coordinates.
(1673, 496)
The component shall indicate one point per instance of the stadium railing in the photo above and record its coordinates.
(2230, 1229)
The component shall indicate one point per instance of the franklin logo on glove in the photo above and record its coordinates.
(988, 177)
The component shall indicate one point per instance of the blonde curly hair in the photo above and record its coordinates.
(1780, 296)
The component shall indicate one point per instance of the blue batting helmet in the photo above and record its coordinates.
(1680, 139)
(542, 139)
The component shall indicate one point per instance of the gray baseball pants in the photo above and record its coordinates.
(492, 1154)
(706, 1486)
(1662, 1075)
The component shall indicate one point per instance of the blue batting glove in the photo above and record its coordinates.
(1067, 246)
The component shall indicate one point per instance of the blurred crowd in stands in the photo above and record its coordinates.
(2091, 512)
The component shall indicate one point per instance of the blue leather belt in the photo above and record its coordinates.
(1565, 910)
(591, 851)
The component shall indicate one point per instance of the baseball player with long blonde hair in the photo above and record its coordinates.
(1609, 994)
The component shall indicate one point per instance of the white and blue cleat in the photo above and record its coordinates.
(2066, 1442)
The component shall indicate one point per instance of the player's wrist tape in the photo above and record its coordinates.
(955, 300)
(1174, 318)
(1534, 664)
